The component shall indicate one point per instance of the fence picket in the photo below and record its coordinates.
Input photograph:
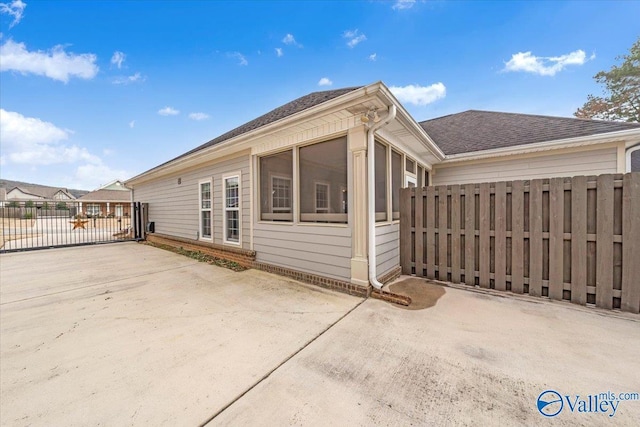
(579, 240)
(631, 243)
(405, 229)
(419, 233)
(484, 250)
(442, 232)
(604, 242)
(469, 234)
(455, 234)
(535, 237)
(431, 233)
(500, 233)
(556, 238)
(517, 237)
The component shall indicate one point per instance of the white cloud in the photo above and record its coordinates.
(354, 37)
(198, 116)
(92, 175)
(168, 111)
(15, 9)
(55, 64)
(132, 124)
(279, 52)
(325, 82)
(545, 66)
(240, 57)
(40, 146)
(373, 57)
(419, 95)
(118, 58)
(403, 4)
(125, 80)
(290, 40)
(29, 140)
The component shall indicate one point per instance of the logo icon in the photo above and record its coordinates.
(550, 403)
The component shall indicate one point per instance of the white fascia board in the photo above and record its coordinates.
(410, 123)
(619, 136)
(242, 142)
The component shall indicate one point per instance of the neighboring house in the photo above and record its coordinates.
(290, 187)
(3, 196)
(38, 192)
(113, 199)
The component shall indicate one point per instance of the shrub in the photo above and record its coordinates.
(29, 204)
(45, 205)
(28, 215)
(13, 204)
(62, 206)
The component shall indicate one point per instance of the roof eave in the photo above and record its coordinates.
(238, 141)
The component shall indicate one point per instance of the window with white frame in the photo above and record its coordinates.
(323, 168)
(205, 209)
(93, 209)
(276, 189)
(322, 197)
(281, 194)
(232, 209)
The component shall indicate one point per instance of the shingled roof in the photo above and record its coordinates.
(288, 109)
(103, 195)
(475, 130)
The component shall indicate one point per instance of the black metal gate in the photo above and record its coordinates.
(28, 225)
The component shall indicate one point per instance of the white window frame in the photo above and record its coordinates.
(225, 209)
(201, 209)
(408, 179)
(118, 209)
(271, 190)
(316, 208)
(93, 209)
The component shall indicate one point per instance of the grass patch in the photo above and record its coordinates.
(201, 257)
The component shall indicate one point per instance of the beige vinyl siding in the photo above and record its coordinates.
(587, 162)
(387, 247)
(320, 250)
(174, 207)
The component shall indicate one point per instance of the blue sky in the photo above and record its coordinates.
(94, 91)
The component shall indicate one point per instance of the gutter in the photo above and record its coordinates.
(371, 196)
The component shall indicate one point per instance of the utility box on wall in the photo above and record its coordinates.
(151, 227)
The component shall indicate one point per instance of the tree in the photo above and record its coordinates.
(621, 101)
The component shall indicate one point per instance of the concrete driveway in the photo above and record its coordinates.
(126, 334)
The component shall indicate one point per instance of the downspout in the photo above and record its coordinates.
(371, 199)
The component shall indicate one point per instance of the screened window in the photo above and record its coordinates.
(232, 209)
(396, 183)
(410, 165)
(276, 172)
(323, 167)
(205, 209)
(381, 181)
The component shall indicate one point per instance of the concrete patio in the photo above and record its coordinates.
(129, 334)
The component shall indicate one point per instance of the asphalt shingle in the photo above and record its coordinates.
(484, 130)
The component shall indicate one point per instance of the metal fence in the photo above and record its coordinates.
(36, 225)
(574, 239)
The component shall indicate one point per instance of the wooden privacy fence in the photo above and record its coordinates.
(574, 239)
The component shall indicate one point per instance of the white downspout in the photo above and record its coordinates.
(371, 196)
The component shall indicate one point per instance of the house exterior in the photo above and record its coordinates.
(38, 192)
(110, 200)
(311, 189)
